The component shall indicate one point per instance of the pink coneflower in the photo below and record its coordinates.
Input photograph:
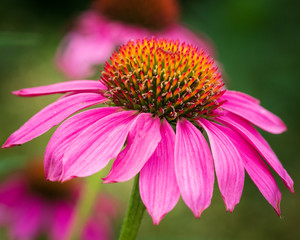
(163, 97)
(110, 23)
(30, 208)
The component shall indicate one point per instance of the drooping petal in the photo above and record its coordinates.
(52, 115)
(236, 96)
(65, 135)
(97, 145)
(228, 162)
(143, 139)
(254, 113)
(193, 167)
(252, 135)
(259, 172)
(64, 87)
(158, 185)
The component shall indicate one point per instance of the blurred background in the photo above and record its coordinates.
(257, 45)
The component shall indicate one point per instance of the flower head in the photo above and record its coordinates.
(111, 23)
(162, 97)
(31, 207)
(162, 77)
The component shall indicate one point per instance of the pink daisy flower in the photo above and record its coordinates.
(31, 207)
(163, 98)
(98, 32)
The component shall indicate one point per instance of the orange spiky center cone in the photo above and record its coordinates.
(153, 14)
(163, 77)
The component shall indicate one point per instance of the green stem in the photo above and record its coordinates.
(134, 214)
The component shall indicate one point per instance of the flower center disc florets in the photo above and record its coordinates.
(163, 77)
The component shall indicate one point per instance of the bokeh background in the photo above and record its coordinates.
(257, 44)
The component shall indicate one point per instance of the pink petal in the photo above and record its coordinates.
(65, 135)
(61, 222)
(158, 185)
(143, 139)
(96, 145)
(258, 172)
(235, 95)
(64, 87)
(252, 135)
(27, 219)
(228, 162)
(96, 230)
(12, 190)
(249, 109)
(89, 45)
(193, 167)
(52, 115)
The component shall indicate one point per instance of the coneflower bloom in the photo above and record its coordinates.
(30, 208)
(163, 97)
(110, 23)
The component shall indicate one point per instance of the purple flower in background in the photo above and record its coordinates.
(100, 31)
(31, 207)
(163, 97)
